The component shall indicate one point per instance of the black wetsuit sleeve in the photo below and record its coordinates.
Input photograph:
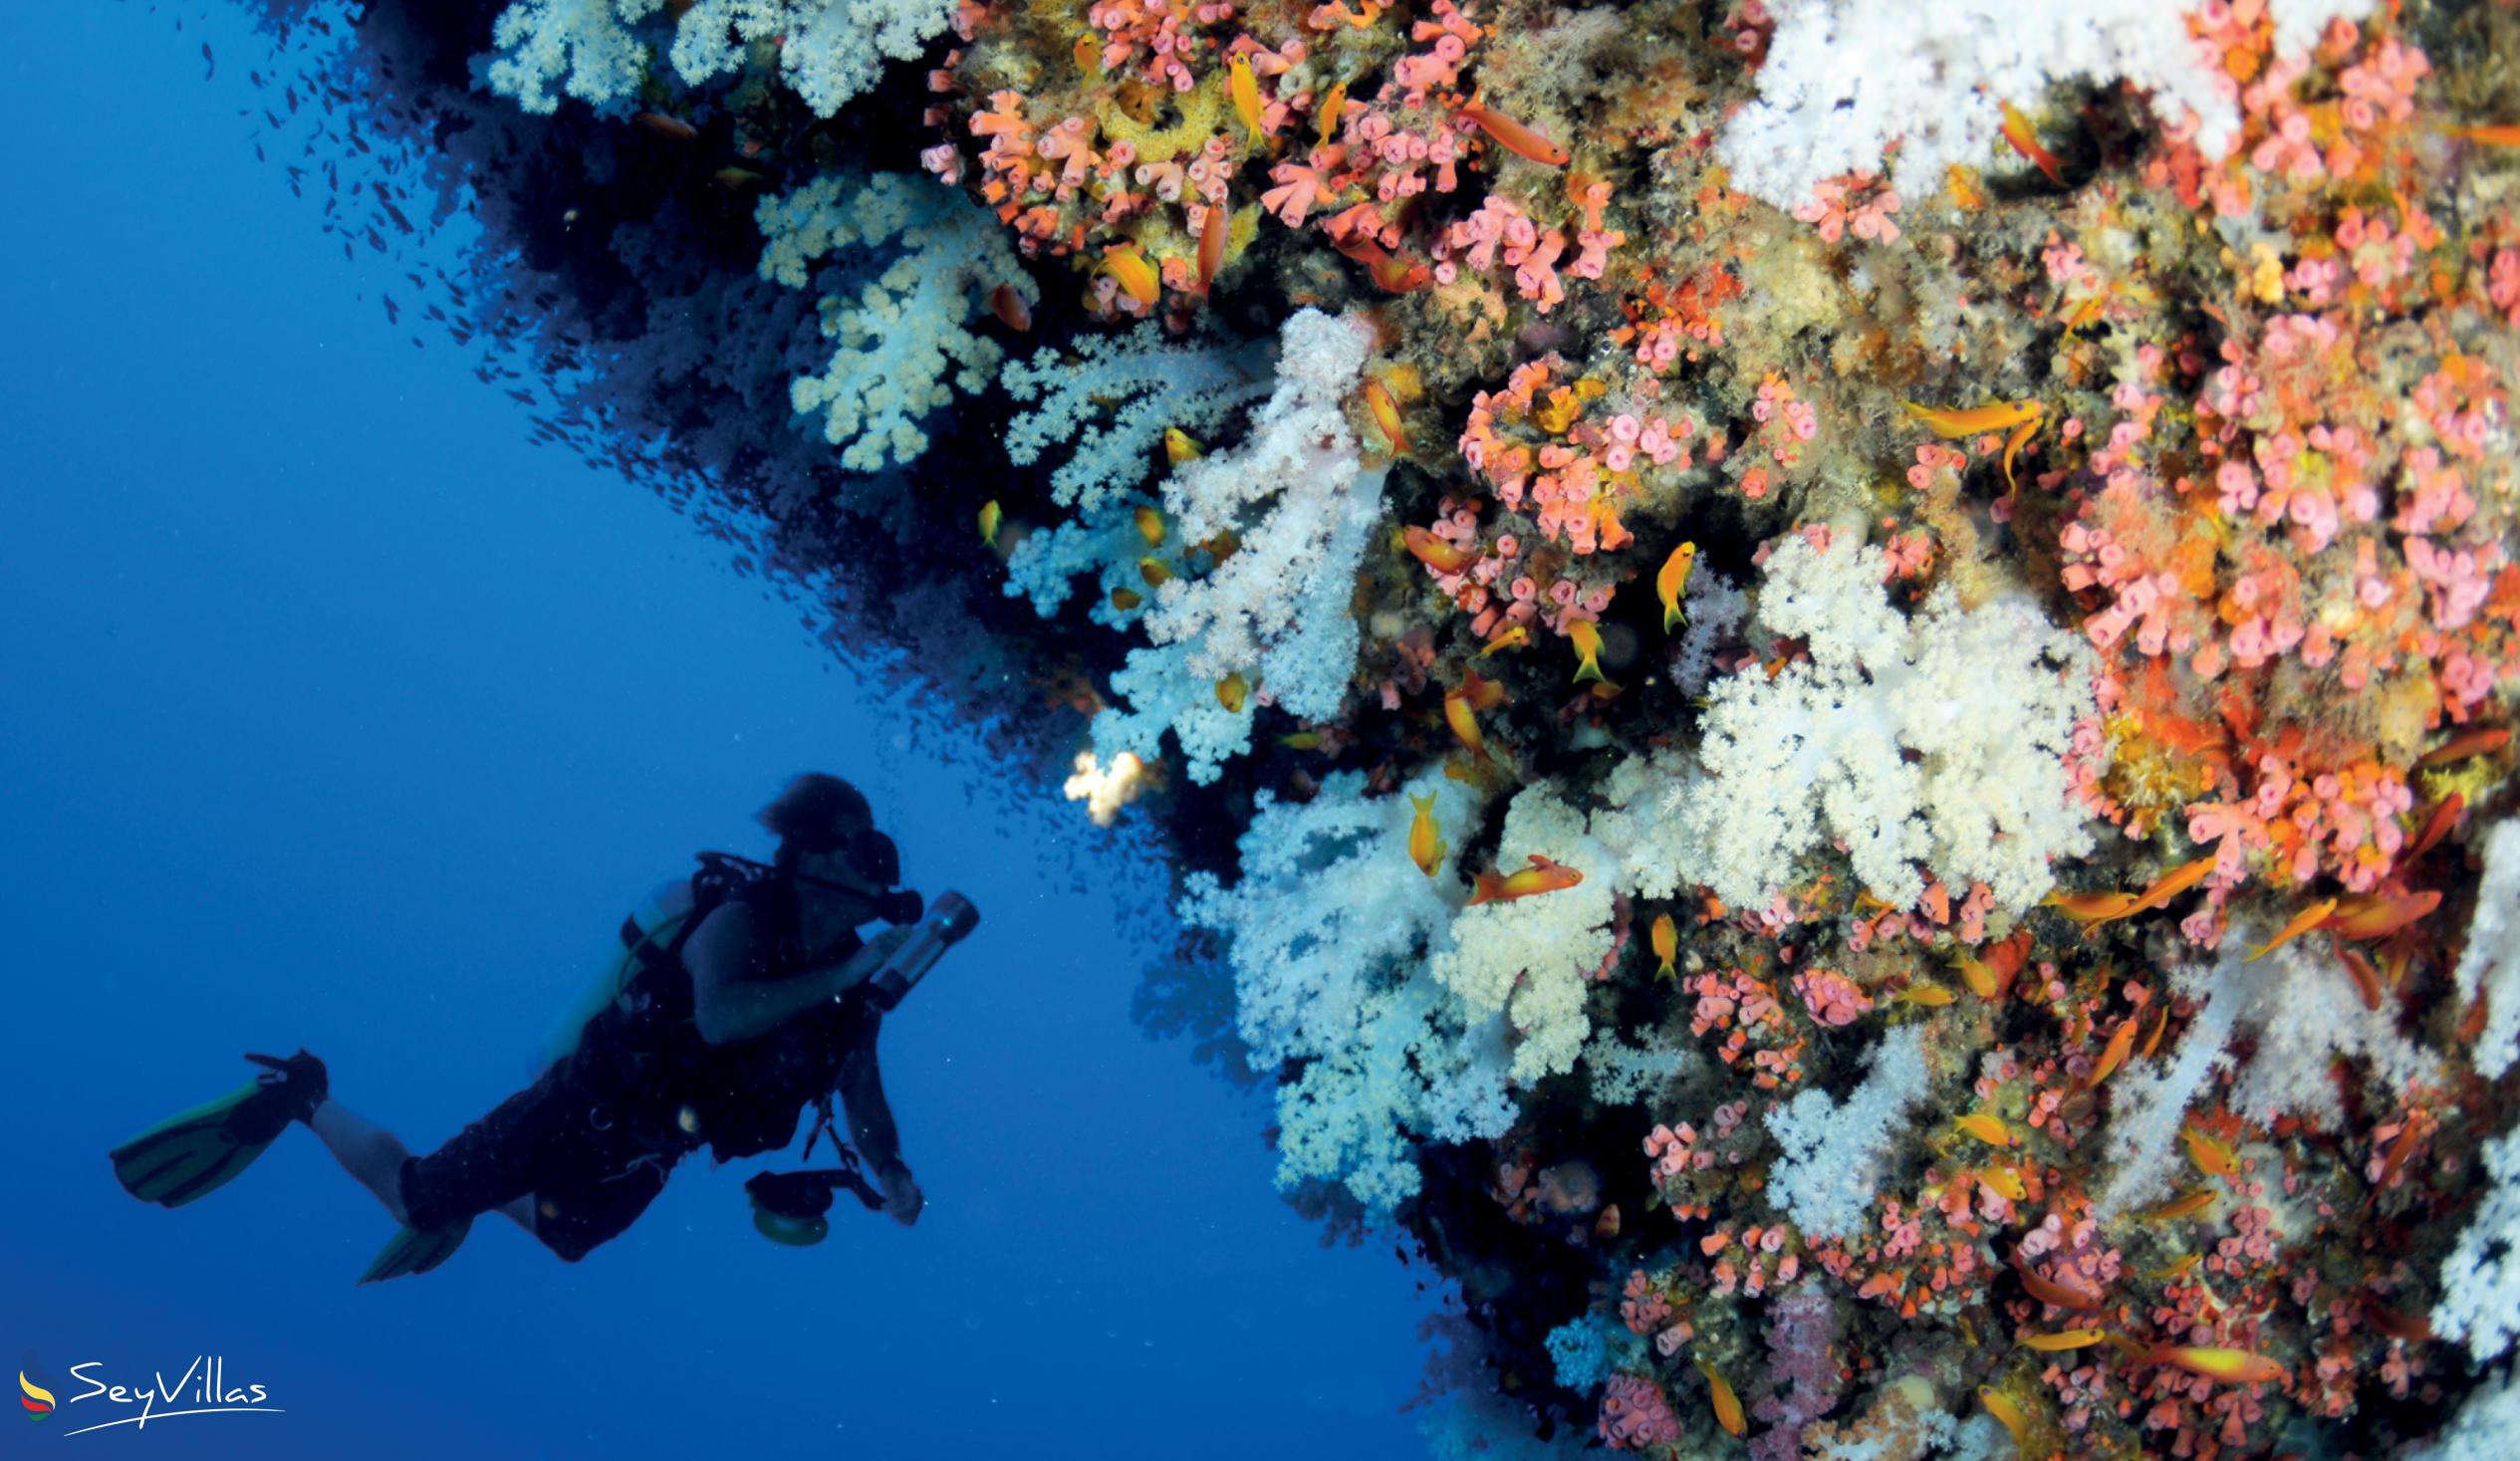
(871, 1126)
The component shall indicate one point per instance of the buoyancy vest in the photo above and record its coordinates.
(641, 1053)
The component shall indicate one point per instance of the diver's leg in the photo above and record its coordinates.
(521, 1212)
(369, 1152)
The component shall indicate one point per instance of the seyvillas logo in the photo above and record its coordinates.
(204, 1388)
(37, 1399)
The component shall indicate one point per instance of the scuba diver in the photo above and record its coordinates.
(736, 999)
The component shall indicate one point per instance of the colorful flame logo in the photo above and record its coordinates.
(37, 1399)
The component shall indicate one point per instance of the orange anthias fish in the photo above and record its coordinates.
(2114, 1053)
(2460, 747)
(2185, 1205)
(1513, 639)
(2302, 922)
(1542, 877)
(2092, 909)
(1326, 115)
(1244, 89)
(1998, 415)
(1137, 278)
(1427, 845)
(1211, 255)
(1672, 582)
(1513, 137)
(2064, 1339)
(2003, 1409)
(2492, 134)
(2006, 1181)
(2172, 883)
(2025, 140)
(1465, 724)
(2212, 1155)
(1482, 692)
(1588, 644)
(1435, 553)
(1987, 1129)
(1667, 943)
(1387, 416)
(1727, 1404)
(2230, 1366)
(2362, 916)
(1007, 302)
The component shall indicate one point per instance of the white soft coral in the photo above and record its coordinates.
(1532, 958)
(1846, 79)
(1935, 742)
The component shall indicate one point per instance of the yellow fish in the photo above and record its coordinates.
(1230, 692)
(2006, 1181)
(1244, 87)
(2000, 415)
(1667, 942)
(1588, 643)
(1672, 582)
(1727, 1404)
(1513, 639)
(2303, 921)
(1326, 115)
(2212, 1157)
(2065, 1339)
(2003, 1409)
(1153, 569)
(990, 516)
(1542, 877)
(1151, 526)
(1987, 1129)
(1180, 447)
(1425, 842)
(2180, 1207)
(1137, 278)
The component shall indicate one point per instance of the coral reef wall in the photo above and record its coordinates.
(1831, 677)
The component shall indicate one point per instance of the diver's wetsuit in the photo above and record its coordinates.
(593, 1139)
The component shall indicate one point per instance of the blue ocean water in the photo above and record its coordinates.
(333, 713)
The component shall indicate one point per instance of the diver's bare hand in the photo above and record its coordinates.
(902, 1197)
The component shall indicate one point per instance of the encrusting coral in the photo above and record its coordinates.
(1844, 670)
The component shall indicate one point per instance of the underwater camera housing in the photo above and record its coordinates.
(947, 924)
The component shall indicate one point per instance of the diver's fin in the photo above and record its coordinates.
(200, 1151)
(416, 1251)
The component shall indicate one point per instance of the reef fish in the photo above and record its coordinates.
(1425, 841)
(2231, 1367)
(1727, 1404)
(2025, 140)
(1514, 137)
(2000, 415)
(1588, 646)
(1672, 582)
(1434, 553)
(1244, 89)
(990, 516)
(1542, 877)
(1137, 277)
(1667, 942)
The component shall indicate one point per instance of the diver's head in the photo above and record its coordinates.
(829, 842)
